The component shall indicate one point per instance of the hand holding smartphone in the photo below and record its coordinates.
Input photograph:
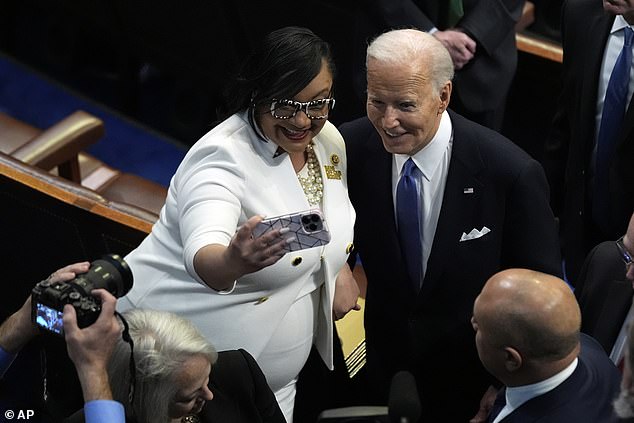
(308, 227)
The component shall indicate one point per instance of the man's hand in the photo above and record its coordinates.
(90, 348)
(346, 293)
(486, 404)
(461, 47)
(18, 330)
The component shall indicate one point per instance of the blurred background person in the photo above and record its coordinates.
(590, 150)
(479, 35)
(624, 404)
(604, 291)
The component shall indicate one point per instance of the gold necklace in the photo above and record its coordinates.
(312, 184)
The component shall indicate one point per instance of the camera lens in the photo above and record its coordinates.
(305, 219)
(110, 272)
(314, 218)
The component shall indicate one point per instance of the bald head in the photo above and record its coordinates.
(536, 312)
(529, 317)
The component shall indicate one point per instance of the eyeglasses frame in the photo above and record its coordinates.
(299, 105)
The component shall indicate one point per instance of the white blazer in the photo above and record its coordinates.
(228, 176)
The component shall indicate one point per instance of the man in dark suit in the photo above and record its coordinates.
(593, 36)
(604, 290)
(482, 206)
(479, 35)
(527, 336)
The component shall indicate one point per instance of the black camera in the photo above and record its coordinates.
(48, 298)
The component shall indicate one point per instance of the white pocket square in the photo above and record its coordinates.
(474, 234)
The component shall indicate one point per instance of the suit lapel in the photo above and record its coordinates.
(378, 174)
(598, 29)
(458, 203)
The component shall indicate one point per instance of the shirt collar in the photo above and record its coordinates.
(430, 156)
(619, 24)
(270, 147)
(518, 395)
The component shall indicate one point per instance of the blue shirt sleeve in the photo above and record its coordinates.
(104, 411)
(5, 361)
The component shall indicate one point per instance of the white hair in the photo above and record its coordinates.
(407, 46)
(162, 343)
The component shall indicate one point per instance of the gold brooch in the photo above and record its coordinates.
(332, 173)
(334, 159)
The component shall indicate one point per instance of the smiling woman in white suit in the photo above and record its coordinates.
(277, 154)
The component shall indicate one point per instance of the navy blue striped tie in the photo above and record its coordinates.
(614, 107)
(408, 215)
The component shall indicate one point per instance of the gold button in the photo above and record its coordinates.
(296, 261)
(261, 300)
(350, 248)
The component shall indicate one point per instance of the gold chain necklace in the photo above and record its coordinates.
(312, 184)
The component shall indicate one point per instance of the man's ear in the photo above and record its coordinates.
(513, 359)
(445, 96)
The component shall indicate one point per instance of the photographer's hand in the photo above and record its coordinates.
(90, 348)
(18, 330)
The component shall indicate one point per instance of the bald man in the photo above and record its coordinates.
(527, 336)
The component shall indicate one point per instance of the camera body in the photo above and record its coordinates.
(49, 298)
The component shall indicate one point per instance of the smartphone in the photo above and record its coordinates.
(308, 227)
(49, 319)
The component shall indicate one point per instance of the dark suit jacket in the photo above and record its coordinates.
(241, 394)
(585, 31)
(483, 84)
(604, 295)
(585, 397)
(429, 333)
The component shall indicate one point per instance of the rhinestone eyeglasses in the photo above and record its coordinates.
(316, 109)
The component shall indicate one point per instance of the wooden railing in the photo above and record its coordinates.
(540, 47)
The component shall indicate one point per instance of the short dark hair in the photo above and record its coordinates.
(282, 64)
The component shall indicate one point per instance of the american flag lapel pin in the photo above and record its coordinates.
(468, 190)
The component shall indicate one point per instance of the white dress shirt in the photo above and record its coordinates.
(433, 163)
